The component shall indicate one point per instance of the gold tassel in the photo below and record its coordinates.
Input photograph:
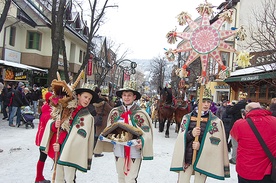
(243, 59)
(227, 15)
(171, 36)
(241, 35)
(170, 55)
(181, 18)
(202, 8)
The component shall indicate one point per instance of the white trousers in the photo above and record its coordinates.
(132, 175)
(65, 173)
(184, 177)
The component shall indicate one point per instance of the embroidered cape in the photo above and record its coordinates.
(139, 119)
(81, 132)
(212, 157)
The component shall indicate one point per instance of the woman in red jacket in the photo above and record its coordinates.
(44, 118)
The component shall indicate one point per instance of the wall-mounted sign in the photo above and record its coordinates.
(13, 56)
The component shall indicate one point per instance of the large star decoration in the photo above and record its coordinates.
(203, 40)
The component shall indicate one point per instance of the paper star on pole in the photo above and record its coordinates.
(203, 40)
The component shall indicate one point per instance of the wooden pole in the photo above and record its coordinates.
(198, 118)
(56, 157)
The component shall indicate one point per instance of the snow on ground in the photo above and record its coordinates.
(18, 160)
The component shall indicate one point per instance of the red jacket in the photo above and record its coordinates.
(44, 118)
(252, 161)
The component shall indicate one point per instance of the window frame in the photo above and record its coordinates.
(36, 43)
(12, 36)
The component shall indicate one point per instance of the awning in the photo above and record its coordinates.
(251, 77)
(22, 66)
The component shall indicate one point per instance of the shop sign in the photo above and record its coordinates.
(61, 63)
(250, 78)
(20, 76)
(222, 87)
(13, 56)
(9, 74)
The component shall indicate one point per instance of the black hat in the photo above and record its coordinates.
(95, 96)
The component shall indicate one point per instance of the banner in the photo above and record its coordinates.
(126, 77)
(89, 67)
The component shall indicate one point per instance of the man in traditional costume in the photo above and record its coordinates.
(212, 156)
(138, 135)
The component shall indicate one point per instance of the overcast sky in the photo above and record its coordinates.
(141, 25)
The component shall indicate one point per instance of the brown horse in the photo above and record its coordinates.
(102, 109)
(182, 106)
(165, 110)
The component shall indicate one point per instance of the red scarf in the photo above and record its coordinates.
(79, 107)
(127, 148)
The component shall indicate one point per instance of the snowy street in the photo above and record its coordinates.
(20, 155)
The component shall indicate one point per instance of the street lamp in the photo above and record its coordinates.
(126, 69)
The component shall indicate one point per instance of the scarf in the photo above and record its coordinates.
(127, 148)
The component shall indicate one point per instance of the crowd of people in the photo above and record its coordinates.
(201, 149)
(16, 95)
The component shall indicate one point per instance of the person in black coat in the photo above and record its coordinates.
(235, 112)
(6, 95)
(18, 100)
(36, 94)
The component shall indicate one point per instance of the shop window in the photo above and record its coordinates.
(33, 40)
(12, 36)
(80, 57)
(271, 92)
(262, 94)
(245, 89)
(225, 58)
(252, 92)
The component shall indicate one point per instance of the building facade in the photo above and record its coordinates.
(258, 80)
(26, 41)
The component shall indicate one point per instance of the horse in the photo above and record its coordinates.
(182, 106)
(165, 110)
(102, 111)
